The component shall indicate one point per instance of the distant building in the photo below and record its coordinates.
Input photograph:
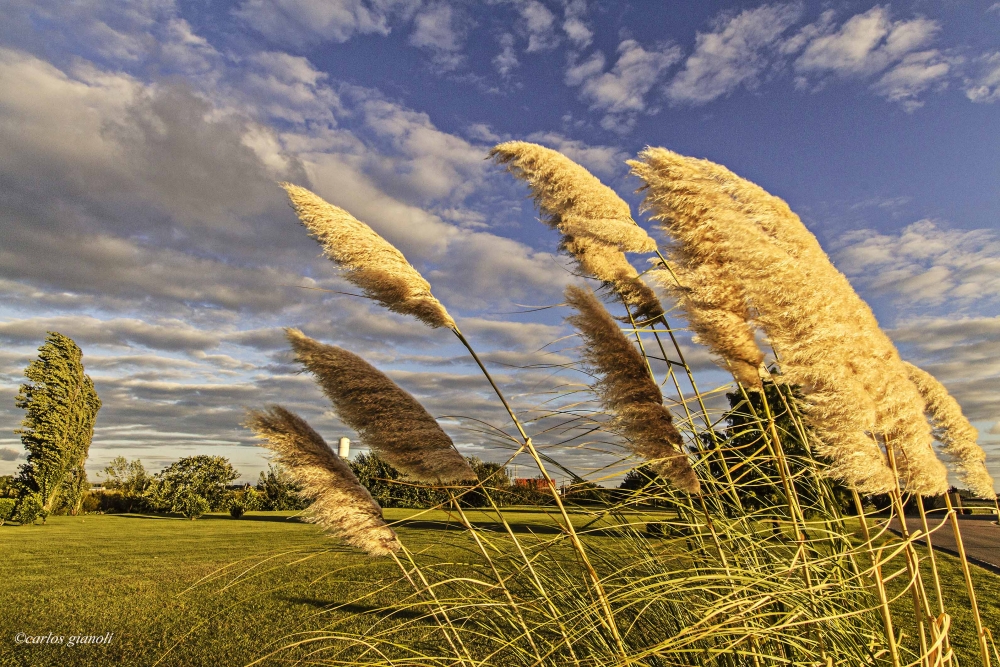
(344, 450)
(539, 483)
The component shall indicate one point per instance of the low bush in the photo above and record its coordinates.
(6, 509)
(243, 501)
(194, 506)
(29, 509)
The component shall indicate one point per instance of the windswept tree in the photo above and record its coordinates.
(60, 406)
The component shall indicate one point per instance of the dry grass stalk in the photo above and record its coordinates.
(954, 431)
(608, 264)
(626, 389)
(368, 260)
(829, 341)
(341, 505)
(387, 418)
(572, 199)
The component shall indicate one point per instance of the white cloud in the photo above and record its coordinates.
(574, 26)
(872, 44)
(620, 93)
(864, 44)
(506, 60)
(925, 265)
(436, 29)
(984, 83)
(539, 22)
(913, 75)
(578, 72)
(289, 87)
(296, 21)
(173, 335)
(734, 53)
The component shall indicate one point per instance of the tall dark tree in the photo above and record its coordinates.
(60, 406)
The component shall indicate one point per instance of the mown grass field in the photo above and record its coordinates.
(274, 579)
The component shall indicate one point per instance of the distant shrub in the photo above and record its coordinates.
(194, 506)
(277, 491)
(130, 482)
(6, 509)
(91, 502)
(243, 501)
(29, 509)
(203, 476)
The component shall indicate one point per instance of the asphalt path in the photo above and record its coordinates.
(980, 535)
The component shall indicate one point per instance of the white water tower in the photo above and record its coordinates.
(345, 448)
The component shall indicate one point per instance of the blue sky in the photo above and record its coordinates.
(140, 143)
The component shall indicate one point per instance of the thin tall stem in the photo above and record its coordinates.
(879, 583)
(980, 631)
(609, 618)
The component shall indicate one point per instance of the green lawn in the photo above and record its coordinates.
(273, 577)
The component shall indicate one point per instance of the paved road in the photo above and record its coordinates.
(980, 535)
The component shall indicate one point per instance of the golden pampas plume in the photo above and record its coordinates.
(626, 389)
(341, 505)
(717, 312)
(954, 431)
(368, 260)
(608, 264)
(572, 199)
(856, 391)
(388, 420)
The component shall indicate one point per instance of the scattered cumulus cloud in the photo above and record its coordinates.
(506, 61)
(925, 264)
(575, 26)
(870, 45)
(983, 83)
(620, 93)
(539, 23)
(438, 30)
(295, 21)
(734, 53)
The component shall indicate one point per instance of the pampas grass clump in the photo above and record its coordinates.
(828, 342)
(368, 260)
(745, 558)
(626, 389)
(341, 505)
(387, 418)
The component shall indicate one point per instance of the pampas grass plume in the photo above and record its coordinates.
(341, 505)
(824, 348)
(609, 265)
(369, 261)
(626, 389)
(572, 199)
(388, 420)
(954, 431)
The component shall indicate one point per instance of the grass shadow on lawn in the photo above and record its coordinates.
(352, 608)
(294, 518)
